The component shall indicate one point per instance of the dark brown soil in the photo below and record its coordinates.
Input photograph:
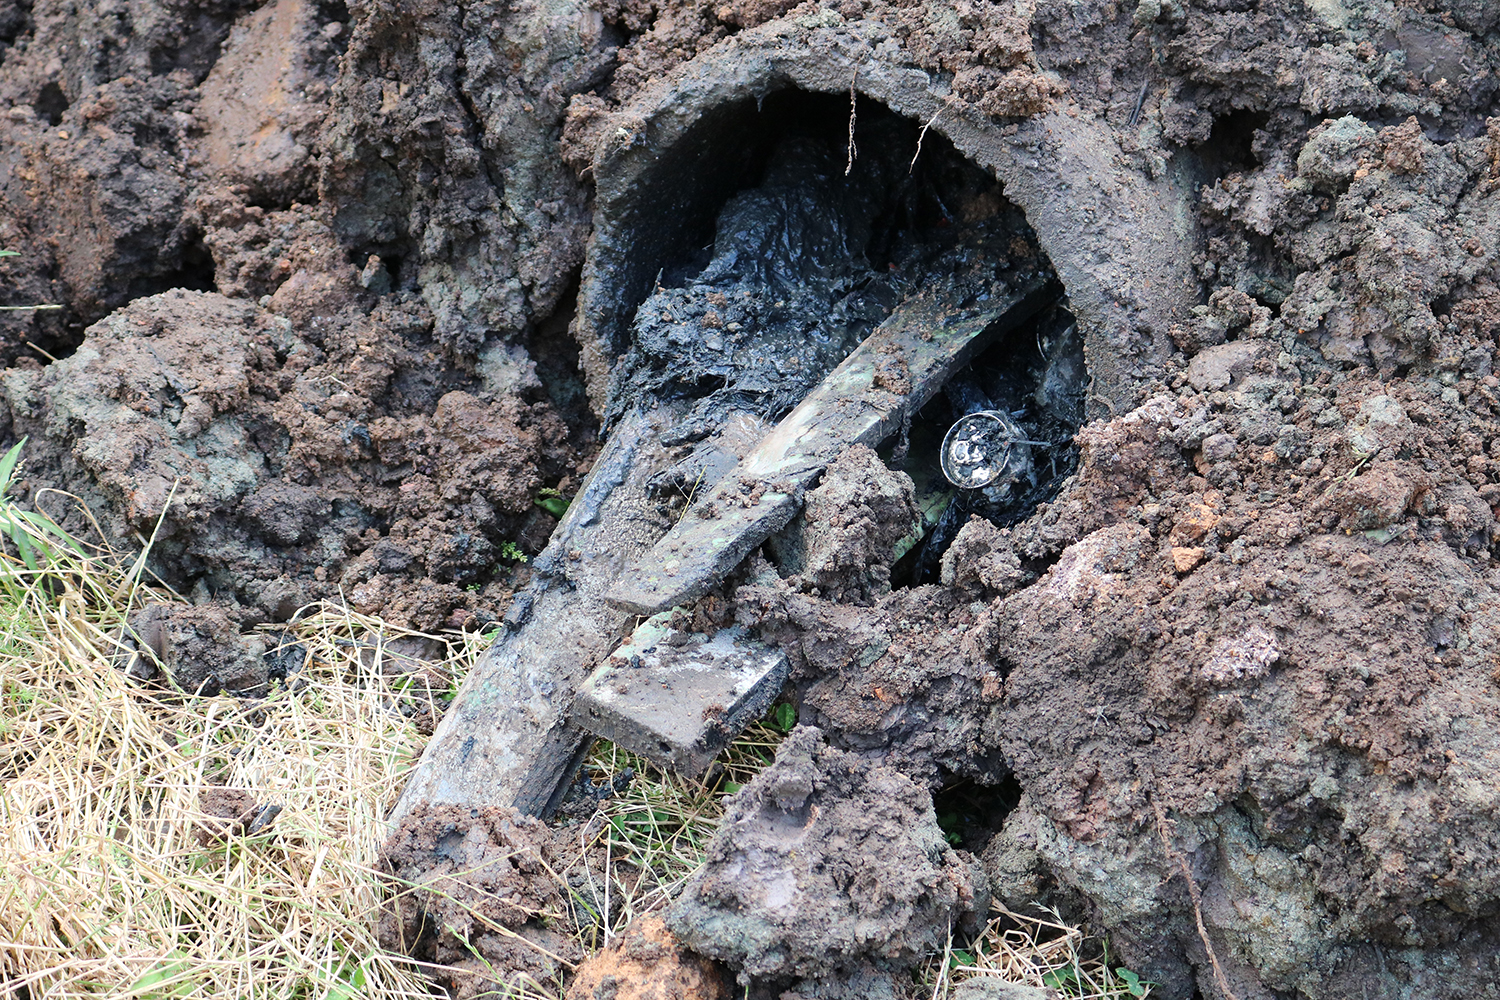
(317, 268)
(327, 429)
(487, 909)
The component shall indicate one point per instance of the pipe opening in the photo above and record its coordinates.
(796, 225)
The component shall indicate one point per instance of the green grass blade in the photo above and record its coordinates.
(8, 465)
(47, 526)
(28, 555)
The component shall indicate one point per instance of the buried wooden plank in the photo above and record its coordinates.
(507, 739)
(677, 698)
(870, 395)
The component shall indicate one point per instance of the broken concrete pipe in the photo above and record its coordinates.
(726, 202)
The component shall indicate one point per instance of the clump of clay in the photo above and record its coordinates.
(824, 864)
(1381, 427)
(853, 521)
(200, 647)
(1379, 496)
(647, 963)
(1333, 153)
(985, 555)
(475, 896)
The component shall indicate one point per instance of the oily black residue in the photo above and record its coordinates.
(1036, 374)
(807, 261)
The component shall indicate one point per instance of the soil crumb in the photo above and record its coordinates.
(844, 544)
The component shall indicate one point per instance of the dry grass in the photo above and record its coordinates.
(109, 883)
(643, 843)
(1037, 951)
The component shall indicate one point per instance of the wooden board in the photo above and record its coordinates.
(883, 383)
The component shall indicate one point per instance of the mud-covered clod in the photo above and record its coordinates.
(826, 868)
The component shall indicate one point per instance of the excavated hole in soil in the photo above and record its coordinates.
(50, 103)
(1231, 143)
(970, 813)
(786, 230)
(556, 356)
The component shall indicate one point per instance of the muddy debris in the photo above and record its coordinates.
(204, 651)
(825, 867)
(648, 963)
(485, 910)
(264, 465)
(845, 542)
(990, 988)
(624, 546)
(231, 812)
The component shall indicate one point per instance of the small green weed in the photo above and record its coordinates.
(37, 538)
(552, 502)
(1134, 983)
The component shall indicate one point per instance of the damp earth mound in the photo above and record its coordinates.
(354, 299)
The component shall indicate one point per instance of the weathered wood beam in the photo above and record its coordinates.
(678, 698)
(507, 738)
(882, 384)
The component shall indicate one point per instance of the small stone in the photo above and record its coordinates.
(1184, 557)
(986, 988)
(1378, 497)
(1218, 447)
(374, 275)
(1332, 155)
(1249, 655)
(1380, 428)
(1221, 366)
(648, 963)
(1197, 522)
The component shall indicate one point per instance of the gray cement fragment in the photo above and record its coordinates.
(678, 698)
